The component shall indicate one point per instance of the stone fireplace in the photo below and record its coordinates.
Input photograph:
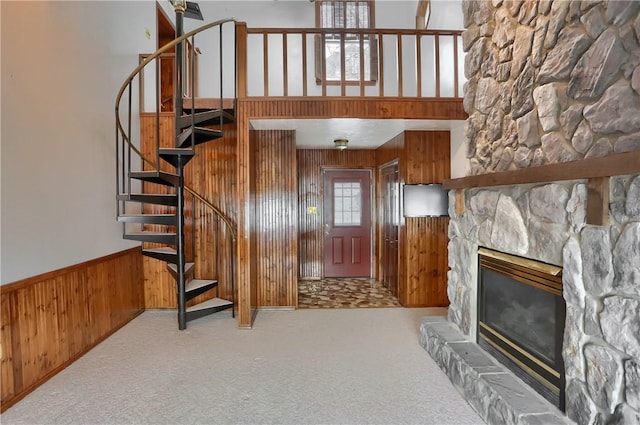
(551, 83)
(601, 289)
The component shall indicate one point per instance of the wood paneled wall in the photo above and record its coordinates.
(424, 240)
(426, 264)
(423, 157)
(393, 150)
(291, 107)
(355, 107)
(50, 320)
(427, 156)
(212, 174)
(310, 163)
(276, 217)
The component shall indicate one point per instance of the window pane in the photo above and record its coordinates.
(351, 15)
(344, 14)
(363, 11)
(347, 209)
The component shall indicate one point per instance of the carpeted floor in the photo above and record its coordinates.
(338, 366)
(344, 293)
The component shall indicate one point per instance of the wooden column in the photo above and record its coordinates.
(241, 57)
(246, 223)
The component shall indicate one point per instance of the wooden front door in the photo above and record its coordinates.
(390, 188)
(347, 223)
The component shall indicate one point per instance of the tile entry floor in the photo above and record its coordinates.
(344, 293)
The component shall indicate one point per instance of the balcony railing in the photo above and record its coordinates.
(349, 62)
(288, 62)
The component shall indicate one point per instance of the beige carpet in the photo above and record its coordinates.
(344, 366)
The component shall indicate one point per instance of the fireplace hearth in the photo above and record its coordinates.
(521, 315)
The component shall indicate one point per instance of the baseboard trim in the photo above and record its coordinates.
(277, 308)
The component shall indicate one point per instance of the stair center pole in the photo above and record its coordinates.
(180, 6)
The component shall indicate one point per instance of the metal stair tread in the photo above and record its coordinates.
(169, 199)
(178, 157)
(205, 117)
(162, 250)
(164, 219)
(174, 267)
(147, 215)
(165, 253)
(168, 238)
(150, 233)
(212, 303)
(195, 284)
(176, 151)
(200, 135)
(157, 177)
(153, 173)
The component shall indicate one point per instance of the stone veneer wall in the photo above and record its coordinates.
(553, 81)
(601, 278)
(550, 81)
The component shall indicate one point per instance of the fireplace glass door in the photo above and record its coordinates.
(521, 316)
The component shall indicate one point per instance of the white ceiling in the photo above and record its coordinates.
(361, 133)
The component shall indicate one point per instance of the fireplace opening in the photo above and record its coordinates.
(521, 314)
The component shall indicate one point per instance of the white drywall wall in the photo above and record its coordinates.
(62, 65)
(459, 161)
(446, 15)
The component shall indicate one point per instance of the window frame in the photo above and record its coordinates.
(372, 63)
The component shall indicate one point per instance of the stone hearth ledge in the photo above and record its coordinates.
(496, 394)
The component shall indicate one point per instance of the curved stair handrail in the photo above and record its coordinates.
(126, 137)
(157, 53)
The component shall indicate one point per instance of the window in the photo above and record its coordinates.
(347, 210)
(341, 15)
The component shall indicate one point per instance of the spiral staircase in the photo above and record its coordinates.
(151, 191)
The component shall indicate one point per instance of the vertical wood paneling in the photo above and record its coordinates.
(310, 163)
(276, 217)
(247, 287)
(227, 177)
(424, 157)
(427, 155)
(212, 174)
(426, 254)
(7, 382)
(50, 320)
(424, 240)
(393, 150)
(352, 107)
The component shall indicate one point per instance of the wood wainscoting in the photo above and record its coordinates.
(52, 319)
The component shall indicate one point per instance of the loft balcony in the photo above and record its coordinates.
(286, 64)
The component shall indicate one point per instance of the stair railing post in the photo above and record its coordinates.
(181, 281)
(180, 6)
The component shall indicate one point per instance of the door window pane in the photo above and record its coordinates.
(347, 204)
